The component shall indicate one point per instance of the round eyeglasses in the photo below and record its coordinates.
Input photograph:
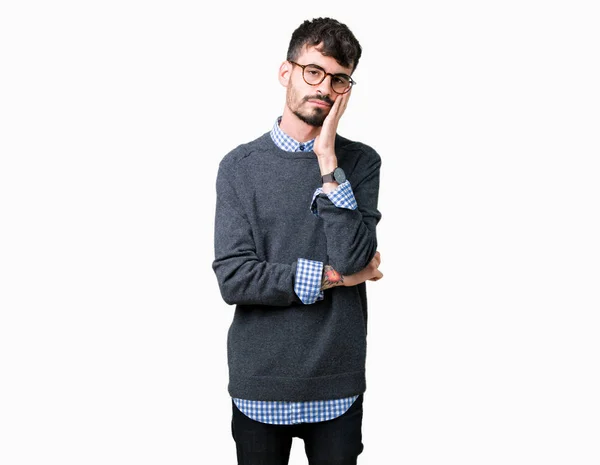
(315, 75)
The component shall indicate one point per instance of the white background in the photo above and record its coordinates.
(484, 333)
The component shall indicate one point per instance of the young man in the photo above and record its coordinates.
(295, 242)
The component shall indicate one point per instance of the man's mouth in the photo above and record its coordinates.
(320, 103)
(320, 100)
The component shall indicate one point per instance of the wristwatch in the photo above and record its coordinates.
(336, 175)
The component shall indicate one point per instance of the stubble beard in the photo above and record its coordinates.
(315, 118)
(312, 116)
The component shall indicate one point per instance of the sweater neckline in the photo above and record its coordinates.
(284, 154)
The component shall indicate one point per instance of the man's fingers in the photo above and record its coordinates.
(376, 278)
(378, 275)
(377, 259)
(339, 106)
(347, 98)
(343, 103)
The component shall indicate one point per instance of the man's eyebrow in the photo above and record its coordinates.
(319, 66)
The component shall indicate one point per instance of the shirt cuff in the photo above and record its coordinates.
(342, 197)
(307, 286)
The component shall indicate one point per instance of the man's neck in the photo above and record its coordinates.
(296, 128)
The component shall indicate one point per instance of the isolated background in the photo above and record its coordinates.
(483, 335)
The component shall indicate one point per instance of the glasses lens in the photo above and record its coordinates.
(341, 83)
(313, 75)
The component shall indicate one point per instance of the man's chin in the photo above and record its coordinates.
(315, 118)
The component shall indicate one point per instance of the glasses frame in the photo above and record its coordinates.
(352, 81)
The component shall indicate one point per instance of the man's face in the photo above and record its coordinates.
(312, 104)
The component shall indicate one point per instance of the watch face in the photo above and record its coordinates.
(339, 175)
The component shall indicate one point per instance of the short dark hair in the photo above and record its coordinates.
(336, 41)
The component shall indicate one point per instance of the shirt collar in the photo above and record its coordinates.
(287, 143)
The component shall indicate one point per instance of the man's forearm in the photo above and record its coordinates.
(332, 278)
(350, 227)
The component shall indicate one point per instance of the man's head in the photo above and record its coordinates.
(334, 51)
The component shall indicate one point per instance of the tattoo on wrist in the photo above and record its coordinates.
(331, 278)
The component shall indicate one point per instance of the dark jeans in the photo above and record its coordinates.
(333, 442)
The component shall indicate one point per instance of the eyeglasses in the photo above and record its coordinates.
(315, 75)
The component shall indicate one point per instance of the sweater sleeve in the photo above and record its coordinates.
(243, 278)
(350, 233)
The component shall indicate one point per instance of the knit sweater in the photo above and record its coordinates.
(277, 347)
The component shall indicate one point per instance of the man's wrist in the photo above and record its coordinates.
(327, 164)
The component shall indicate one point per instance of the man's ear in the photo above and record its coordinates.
(285, 73)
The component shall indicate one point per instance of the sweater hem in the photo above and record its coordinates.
(273, 388)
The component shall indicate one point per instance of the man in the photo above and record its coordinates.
(294, 244)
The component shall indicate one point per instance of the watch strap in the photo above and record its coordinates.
(328, 178)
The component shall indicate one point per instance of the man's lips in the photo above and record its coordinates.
(320, 103)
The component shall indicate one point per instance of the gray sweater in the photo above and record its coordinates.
(277, 347)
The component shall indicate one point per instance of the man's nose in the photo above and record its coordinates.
(325, 87)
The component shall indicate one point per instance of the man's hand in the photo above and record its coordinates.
(369, 273)
(325, 141)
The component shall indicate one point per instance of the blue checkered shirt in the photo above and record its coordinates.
(308, 288)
